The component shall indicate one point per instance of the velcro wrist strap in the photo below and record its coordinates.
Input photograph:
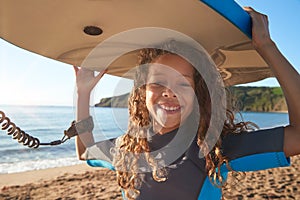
(85, 125)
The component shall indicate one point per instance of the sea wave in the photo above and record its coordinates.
(22, 166)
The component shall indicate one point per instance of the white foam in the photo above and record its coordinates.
(7, 168)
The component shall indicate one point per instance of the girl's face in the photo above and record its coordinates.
(170, 92)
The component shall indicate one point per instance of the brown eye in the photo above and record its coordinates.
(156, 84)
(185, 85)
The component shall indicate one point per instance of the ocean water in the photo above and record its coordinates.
(48, 123)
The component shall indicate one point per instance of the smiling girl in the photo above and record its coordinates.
(159, 157)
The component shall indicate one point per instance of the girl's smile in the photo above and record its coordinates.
(170, 109)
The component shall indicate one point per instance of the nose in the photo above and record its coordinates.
(168, 93)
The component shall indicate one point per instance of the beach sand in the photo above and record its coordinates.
(84, 182)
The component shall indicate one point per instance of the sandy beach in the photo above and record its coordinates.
(84, 182)
(72, 182)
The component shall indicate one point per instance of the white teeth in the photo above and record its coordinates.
(169, 108)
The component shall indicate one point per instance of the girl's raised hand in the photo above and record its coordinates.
(260, 28)
(86, 79)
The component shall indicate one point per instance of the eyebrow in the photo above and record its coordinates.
(157, 74)
(160, 74)
(188, 76)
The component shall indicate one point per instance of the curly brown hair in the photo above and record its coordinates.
(133, 145)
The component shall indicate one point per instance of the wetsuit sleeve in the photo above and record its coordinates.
(99, 155)
(256, 150)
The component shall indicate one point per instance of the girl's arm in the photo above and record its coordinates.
(85, 81)
(286, 75)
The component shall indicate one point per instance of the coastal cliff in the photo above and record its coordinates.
(254, 99)
(258, 99)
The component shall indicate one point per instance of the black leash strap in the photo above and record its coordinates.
(28, 140)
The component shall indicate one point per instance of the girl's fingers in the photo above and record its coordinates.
(255, 15)
(76, 69)
(260, 27)
(89, 72)
(248, 9)
(103, 72)
(99, 76)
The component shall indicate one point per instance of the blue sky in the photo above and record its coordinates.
(30, 79)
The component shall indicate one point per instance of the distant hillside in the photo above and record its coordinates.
(256, 99)
(259, 99)
(116, 101)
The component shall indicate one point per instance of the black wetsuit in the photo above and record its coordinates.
(187, 177)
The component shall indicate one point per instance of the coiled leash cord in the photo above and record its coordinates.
(28, 140)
